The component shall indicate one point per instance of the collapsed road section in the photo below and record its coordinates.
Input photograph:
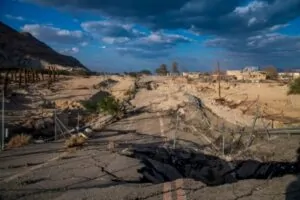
(162, 164)
(166, 163)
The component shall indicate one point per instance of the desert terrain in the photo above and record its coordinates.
(160, 114)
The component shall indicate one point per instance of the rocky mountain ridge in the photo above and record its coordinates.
(21, 49)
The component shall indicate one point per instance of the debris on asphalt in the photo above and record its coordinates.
(76, 140)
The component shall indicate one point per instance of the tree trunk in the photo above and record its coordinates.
(20, 78)
(25, 77)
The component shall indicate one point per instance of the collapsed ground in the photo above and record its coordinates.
(153, 121)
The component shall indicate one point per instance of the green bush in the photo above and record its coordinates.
(294, 87)
(90, 106)
(107, 105)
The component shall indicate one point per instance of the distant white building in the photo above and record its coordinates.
(250, 69)
(289, 75)
(191, 74)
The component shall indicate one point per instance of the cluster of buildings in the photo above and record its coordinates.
(247, 74)
(289, 75)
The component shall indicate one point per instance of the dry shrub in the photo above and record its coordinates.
(111, 146)
(75, 141)
(19, 140)
(189, 80)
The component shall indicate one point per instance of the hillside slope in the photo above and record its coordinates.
(21, 49)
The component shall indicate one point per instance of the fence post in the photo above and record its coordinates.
(6, 133)
(3, 129)
(55, 125)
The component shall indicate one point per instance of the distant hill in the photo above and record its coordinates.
(21, 49)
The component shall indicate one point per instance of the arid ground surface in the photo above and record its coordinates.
(50, 171)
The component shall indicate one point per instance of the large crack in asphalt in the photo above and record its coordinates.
(163, 164)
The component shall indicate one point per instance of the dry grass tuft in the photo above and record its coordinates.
(18, 141)
(75, 141)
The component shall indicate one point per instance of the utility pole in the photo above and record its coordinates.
(219, 80)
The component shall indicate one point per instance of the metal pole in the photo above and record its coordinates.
(223, 144)
(55, 126)
(77, 127)
(6, 133)
(219, 80)
(174, 139)
(223, 139)
(3, 129)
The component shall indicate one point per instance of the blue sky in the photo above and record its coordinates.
(127, 35)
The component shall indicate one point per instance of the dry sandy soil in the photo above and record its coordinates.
(242, 100)
(75, 89)
(166, 93)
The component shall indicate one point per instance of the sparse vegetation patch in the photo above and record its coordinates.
(107, 105)
(294, 87)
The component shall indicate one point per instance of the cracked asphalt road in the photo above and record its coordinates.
(48, 171)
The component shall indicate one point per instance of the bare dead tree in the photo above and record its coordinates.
(50, 75)
(37, 74)
(20, 78)
(54, 74)
(11, 76)
(31, 75)
(6, 82)
(28, 75)
(25, 76)
(14, 72)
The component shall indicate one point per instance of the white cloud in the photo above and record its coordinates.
(62, 32)
(253, 6)
(154, 37)
(52, 34)
(252, 21)
(20, 18)
(111, 32)
(160, 37)
(95, 25)
(115, 40)
(279, 26)
(75, 49)
(83, 44)
(72, 50)
(102, 47)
